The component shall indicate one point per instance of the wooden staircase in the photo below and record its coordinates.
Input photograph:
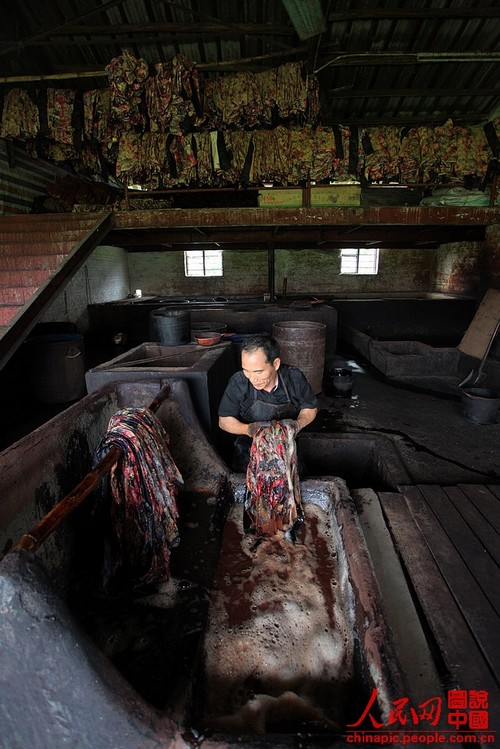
(38, 256)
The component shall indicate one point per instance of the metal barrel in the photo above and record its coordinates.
(56, 367)
(302, 345)
(170, 326)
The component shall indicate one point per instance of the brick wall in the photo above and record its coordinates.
(458, 268)
(306, 271)
(491, 258)
(163, 273)
(103, 278)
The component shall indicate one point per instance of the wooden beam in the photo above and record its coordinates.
(210, 218)
(298, 238)
(225, 66)
(19, 44)
(374, 93)
(189, 29)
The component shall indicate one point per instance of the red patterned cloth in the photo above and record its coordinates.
(273, 500)
(143, 486)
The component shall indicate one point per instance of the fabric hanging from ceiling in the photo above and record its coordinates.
(127, 78)
(20, 117)
(172, 96)
(266, 127)
(97, 115)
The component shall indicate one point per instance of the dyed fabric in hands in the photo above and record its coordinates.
(273, 501)
(143, 485)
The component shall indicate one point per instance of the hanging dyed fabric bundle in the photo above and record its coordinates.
(419, 159)
(97, 115)
(383, 161)
(143, 484)
(323, 153)
(173, 96)
(127, 79)
(291, 91)
(273, 501)
(153, 158)
(128, 162)
(271, 160)
(60, 105)
(202, 148)
(20, 118)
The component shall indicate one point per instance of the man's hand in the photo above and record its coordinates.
(254, 427)
(291, 424)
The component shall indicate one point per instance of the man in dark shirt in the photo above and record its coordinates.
(262, 391)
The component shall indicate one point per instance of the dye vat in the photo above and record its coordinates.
(361, 460)
(286, 638)
(134, 670)
(205, 369)
(403, 358)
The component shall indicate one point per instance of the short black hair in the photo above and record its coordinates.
(264, 341)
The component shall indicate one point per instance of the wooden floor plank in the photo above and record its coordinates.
(494, 490)
(486, 499)
(488, 536)
(477, 609)
(469, 547)
(461, 653)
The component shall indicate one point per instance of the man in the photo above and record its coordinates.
(264, 390)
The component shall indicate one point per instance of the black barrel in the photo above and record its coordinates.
(56, 367)
(170, 326)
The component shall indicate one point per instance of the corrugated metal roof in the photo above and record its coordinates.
(378, 62)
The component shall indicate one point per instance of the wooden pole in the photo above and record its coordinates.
(31, 541)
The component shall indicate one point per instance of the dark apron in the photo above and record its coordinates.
(260, 411)
(267, 411)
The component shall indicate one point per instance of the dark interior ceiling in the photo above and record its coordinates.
(379, 62)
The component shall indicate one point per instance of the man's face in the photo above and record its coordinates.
(260, 372)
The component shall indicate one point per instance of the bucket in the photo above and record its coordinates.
(56, 367)
(339, 382)
(480, 405)
(170, 326)
(302, 344)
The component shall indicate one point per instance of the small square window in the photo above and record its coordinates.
(359, 262)
(203, 262)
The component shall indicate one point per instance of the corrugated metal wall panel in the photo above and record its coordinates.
(23, 180)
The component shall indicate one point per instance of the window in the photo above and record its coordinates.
(203, 263)
(361, 262)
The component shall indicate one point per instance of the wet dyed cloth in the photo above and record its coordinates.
(273, 499)
(142, 491)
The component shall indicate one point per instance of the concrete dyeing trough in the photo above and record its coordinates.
(219, 655)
